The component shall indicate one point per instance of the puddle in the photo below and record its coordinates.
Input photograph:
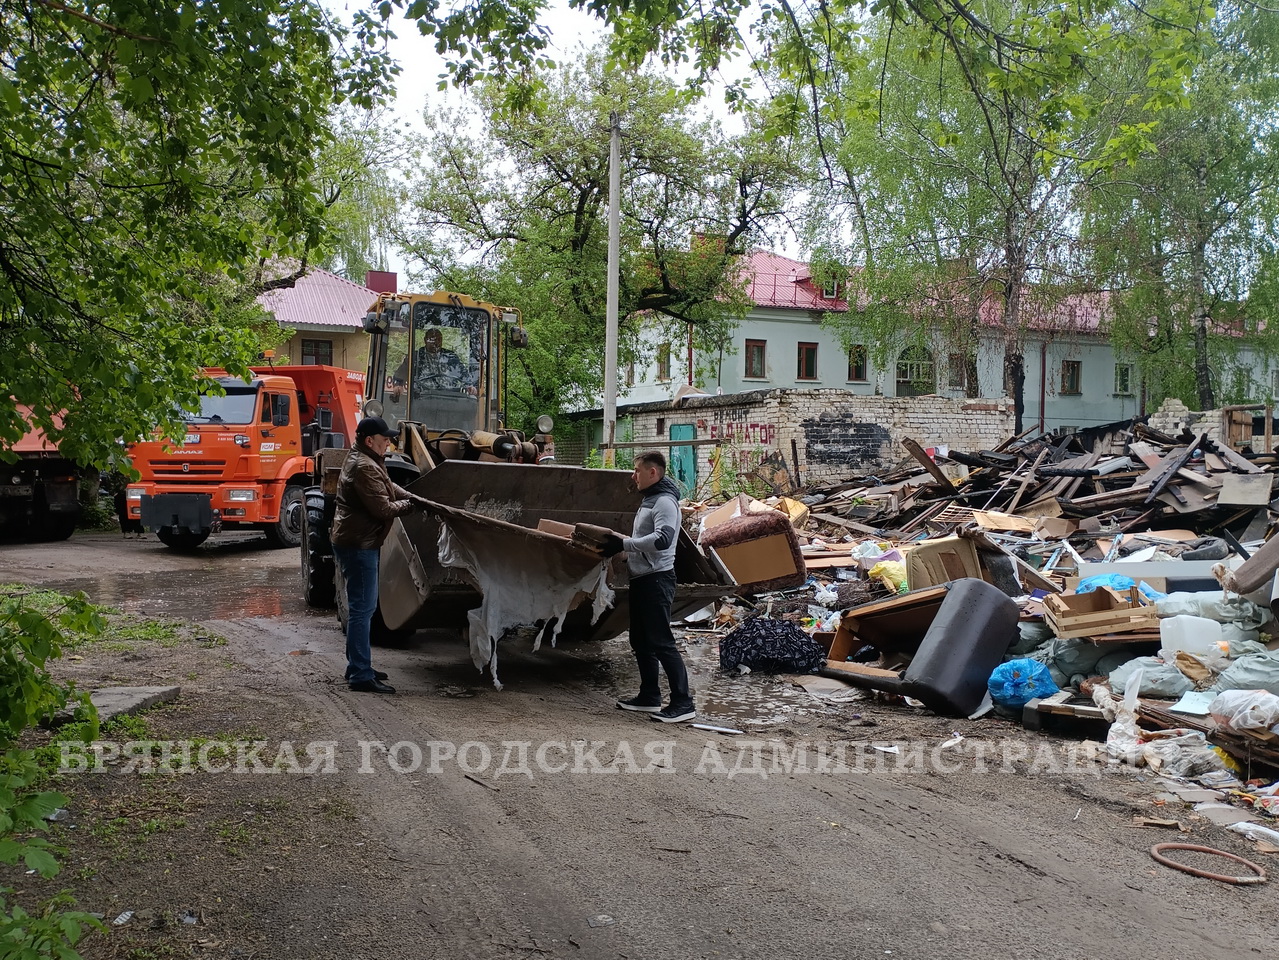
(209, 594)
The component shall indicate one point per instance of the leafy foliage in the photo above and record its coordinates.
(1187, 237)
(957, 146)
(31, 635)
(514, 211)
(152, 156)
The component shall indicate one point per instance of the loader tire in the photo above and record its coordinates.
(380, 635)
(318, 586)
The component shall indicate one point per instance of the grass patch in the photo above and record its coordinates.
(123, 632)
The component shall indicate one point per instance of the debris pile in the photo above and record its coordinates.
(1096, 562)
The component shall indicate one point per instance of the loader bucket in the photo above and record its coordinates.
(415, 590)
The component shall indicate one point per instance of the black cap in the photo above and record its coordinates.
(374, 427)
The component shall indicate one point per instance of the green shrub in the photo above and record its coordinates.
(33, 630)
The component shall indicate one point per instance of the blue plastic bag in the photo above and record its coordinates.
(1017, 682)
(1117, 581)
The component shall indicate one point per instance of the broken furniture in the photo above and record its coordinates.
(955, 634)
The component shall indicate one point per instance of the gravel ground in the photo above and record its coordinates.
(617, 837)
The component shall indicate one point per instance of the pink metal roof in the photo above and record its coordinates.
(319, 299)
(777, 281)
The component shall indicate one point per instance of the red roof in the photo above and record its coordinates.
(777, 281)
(319, 299)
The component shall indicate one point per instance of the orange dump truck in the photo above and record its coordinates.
(38, 488)
(246, 455)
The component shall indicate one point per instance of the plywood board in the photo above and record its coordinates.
(1245, 489)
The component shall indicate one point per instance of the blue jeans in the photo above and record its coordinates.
(359, 569)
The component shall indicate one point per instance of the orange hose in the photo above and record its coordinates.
(1157, 852)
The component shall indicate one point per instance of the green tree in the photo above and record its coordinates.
(362, 194)
(1187, 236)
(154, 157)
(512, 206)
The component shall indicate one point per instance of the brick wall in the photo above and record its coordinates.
(836, 434)
(1173, 417)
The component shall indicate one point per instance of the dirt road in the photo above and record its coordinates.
(616, 837)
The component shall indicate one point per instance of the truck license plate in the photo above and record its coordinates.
(190, 438)
(19, 490)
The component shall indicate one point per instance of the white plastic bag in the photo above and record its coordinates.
(1123, 740)
(1246, 709)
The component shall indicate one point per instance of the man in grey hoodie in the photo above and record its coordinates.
(650, 556)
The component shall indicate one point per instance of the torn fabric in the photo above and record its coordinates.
(524, 576)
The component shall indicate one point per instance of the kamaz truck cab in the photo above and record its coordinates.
(245, 455)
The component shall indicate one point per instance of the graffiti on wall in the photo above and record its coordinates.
(738, 424)
(844, 441)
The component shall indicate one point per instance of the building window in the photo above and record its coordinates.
(858, 369)
(1274, 383)
(830, 290)
(806, 367)
(755, 368)
(915, 374)
(317, 351)
(957, 370)
(1123, 379)
(1072, 374)
(630, 374)
(663, 361)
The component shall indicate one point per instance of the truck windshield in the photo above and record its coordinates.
(238, 406)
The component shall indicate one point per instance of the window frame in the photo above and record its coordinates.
(762, 373)
(863, 360)
(804, 347)
(1128, 390)
(328, 344)
(1077, 368)
(663, 362)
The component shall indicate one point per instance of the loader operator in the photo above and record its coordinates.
(367, 504)
(435, 367)
(650, 556)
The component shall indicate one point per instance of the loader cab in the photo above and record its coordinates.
(436, 359)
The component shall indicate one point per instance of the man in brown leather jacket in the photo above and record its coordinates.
(367, 505)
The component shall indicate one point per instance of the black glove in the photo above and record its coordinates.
(611, 546)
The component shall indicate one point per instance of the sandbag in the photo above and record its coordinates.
(1257, 672)
(1158, 679)
(1215, 605)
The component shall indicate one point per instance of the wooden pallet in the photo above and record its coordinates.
(1042, 711)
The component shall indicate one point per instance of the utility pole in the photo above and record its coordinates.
(614, 267)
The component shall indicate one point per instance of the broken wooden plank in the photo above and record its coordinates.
(1168, 469)
(1234, 458)
(928, 464)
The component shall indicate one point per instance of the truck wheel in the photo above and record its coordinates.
(53, 529)
(181, 540)
(318, 587)
(287, 531)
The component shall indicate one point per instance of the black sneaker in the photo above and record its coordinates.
(673, 714)
(377, 675)
(638, 705)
